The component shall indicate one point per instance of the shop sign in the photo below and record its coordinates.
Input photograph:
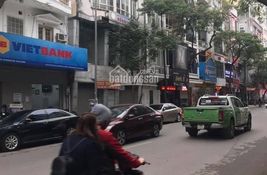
(208, 71)
(146, 76)
(118, 18)
(19, 49)
(168, 88)
(107, 85)
(180, 77)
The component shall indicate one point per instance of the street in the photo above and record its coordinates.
(172, 153)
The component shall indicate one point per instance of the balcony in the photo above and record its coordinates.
(57, 6)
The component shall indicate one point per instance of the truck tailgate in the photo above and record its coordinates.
(198, 114)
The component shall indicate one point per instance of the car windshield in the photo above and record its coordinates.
(118, 110)
(156, 107)
(213, 101)
(16, 116)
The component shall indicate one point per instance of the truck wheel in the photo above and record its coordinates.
(248, 126)
(229, 132)
(192, 132)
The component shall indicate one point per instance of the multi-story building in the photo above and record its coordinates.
(82, 30)
(36, 63)
(252, 24)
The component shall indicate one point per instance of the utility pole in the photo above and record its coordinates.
(164, 67)
(96, 58)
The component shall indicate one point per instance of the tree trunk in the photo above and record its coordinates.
(245, 81)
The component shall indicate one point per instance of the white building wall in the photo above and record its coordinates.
(28, 13)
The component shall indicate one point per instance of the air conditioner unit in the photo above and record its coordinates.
(61, 37)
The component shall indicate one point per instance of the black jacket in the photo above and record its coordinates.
(88, 156)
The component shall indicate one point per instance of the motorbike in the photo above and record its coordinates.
(132, 171)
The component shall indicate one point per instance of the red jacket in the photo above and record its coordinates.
(125, 159)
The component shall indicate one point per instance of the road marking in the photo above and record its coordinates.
(138, 144)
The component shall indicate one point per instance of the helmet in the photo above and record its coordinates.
(103, 115)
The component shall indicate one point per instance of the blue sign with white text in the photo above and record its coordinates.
(29, 51)
(207, 71)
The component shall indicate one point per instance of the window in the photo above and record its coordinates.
(45, 33)
(135, 111)
(123, 7)
(213, 101)
(219, 69)
(218, 46)
(55, 113)
(14, 25)
(38, 115)
(147, 110)
(64, 1)
(156, 107)
(237, 103)
(103, 4)
(134, 8)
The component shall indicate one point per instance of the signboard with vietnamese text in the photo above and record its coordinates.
(107, 85)
(18, 49)
(207, 71)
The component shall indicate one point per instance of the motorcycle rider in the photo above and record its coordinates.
(125, 159)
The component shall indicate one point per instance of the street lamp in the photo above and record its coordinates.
(96, 58)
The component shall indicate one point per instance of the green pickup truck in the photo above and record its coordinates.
(225, 113)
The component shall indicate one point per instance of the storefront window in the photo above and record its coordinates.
(44, 96)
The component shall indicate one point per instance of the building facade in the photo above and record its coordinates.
(36, 63)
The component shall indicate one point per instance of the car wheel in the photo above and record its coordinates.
(229, 132)
(248, 126)
(156, 130)
(121, 137)
(10, 142)
(192, 132)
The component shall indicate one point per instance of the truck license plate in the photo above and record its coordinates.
(200, 126)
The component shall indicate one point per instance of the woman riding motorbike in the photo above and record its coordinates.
(125, 160)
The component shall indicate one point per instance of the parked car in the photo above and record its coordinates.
(217, 112)
(136, 120)
(34, 125)
(169, 111)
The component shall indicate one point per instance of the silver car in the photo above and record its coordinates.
(169, 111)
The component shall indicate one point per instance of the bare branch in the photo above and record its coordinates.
(210, 44)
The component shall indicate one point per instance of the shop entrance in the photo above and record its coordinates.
(45, 96)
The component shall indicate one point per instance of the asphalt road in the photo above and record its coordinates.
(173, 153)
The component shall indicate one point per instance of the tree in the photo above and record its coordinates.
(240, 46)
(259, 76)
(189, 16)
(133, 45)
(256, 7)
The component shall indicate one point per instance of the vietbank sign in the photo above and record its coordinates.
(29, 51)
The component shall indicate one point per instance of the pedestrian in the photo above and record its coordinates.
(114, 149)
(85, 150)
(259, 102)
